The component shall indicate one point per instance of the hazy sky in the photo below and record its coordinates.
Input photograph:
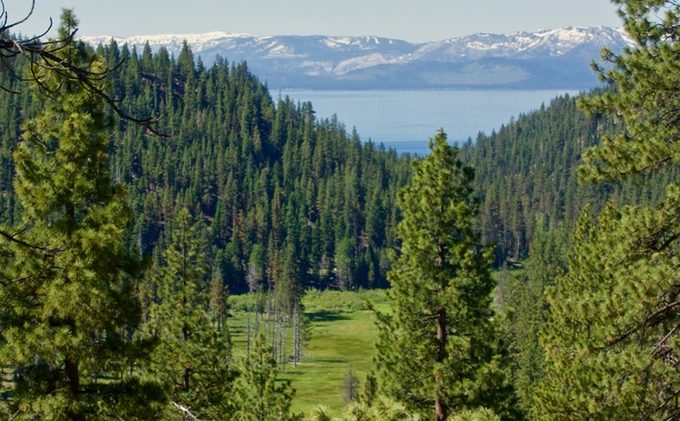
(412, 20)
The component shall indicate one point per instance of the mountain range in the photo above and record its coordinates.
(545, 59)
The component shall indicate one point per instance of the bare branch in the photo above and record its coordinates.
(43, 55)
(3, 13)
(6, 27)
(184, 410)
(15, 415)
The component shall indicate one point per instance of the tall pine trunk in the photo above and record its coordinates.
(440, 408)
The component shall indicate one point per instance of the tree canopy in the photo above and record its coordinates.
(436, 349)
(612, 344)
(68, 298)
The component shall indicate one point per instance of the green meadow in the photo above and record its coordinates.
(340, 332)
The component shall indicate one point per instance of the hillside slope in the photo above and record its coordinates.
(282, 198)
(527, 175)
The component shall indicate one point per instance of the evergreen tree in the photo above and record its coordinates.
(370, 389)
(219, 298)
(259, 396)
(528, 310)
(255, 269)
(479, 414)
(609, 347)
(644, 80)
(344, 261)
(436, 349)
(193, 355)
(67, 281)
(386, 409)
(528, 168)
(612, 343)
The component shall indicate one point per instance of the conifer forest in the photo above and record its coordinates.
(170, 233)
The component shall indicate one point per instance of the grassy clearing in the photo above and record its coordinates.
(336, 342)
(342, 333)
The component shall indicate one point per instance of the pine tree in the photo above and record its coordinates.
(231, 154)
(644, 79)
(67, 281)
(370, 389)
(527, 317)
(436, 348)
(259, 396)
(255, 274)
(386, 409)
(607, 356)
(612, 344)
(219, 302)
(193, 356)
(344, 261)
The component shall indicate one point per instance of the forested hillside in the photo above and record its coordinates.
(281, 194)
(278, 188)
(526, 175)
(121, 239)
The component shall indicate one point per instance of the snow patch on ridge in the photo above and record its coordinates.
(336, 56)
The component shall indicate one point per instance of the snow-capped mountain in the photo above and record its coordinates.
(545, 43)
(557, 58)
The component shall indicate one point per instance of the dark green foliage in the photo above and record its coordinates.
(612, 343)
(385, 409)
(263, 174)
(193, 355)
(527, 172)
(436, 349)
(527, 309)
(283, 202)
(67, 281)
(382, 409)
(644, 98)
(259, 396)
(274, 190)
(370, 389)
(527, 169)
(344, 263)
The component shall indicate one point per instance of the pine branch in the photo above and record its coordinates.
(15, 239)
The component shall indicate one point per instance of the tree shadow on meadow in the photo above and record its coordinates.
(326, 316)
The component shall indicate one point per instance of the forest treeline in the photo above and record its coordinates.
(244, 193)
(527, 180)
(266, 175)
(274, 185)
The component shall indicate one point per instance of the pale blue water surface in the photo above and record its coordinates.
(405, 120)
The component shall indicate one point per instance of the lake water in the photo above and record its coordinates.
(405, 120)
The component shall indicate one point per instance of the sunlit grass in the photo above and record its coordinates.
(342, 332)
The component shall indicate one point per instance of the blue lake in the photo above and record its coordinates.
(405, 120)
